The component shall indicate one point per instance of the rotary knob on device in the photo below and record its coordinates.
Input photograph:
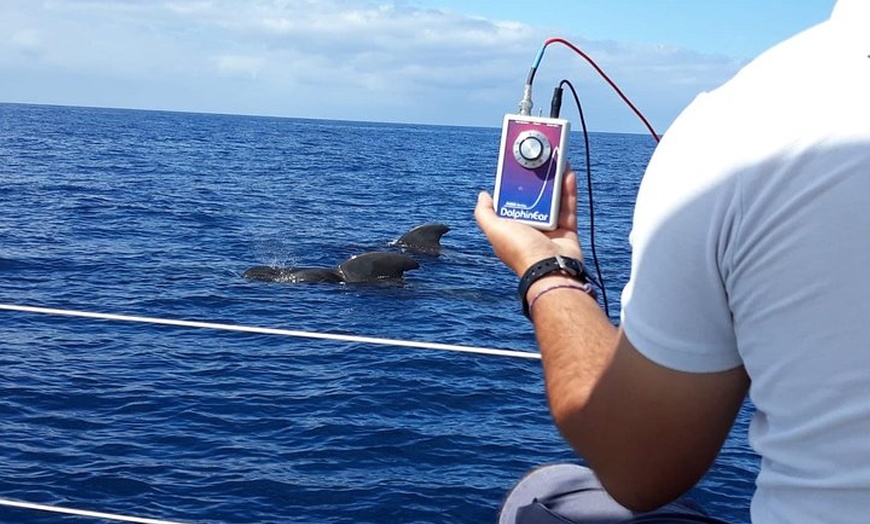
(532, 149)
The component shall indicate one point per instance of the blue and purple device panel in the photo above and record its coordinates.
(531, 163)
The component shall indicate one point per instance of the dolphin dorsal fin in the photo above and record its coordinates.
(425, 238)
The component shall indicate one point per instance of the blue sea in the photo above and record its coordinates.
(158, 214)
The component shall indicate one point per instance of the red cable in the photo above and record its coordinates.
(606, 78)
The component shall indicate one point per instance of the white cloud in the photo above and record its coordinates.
(240, 65)
(27, 40)
(327, 58)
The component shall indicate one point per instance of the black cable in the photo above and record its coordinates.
(531, 78)
(556, 108)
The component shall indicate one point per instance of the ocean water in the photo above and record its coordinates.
(158, 214)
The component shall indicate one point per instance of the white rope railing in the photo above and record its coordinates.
(272, 331)
(228, 327)
(82, 512)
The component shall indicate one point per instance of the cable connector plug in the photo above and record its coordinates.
(556, 102)
(526, 103)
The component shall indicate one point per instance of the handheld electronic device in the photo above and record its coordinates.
(531, 164)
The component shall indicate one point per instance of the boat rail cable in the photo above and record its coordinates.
(83, 513)
(228, 327)
(272, 331)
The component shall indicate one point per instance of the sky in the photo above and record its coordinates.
(445, 62)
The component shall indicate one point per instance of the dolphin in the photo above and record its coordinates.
(424, 239)
(367, 267)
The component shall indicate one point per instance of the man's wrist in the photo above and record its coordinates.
(547, 287)
(551, 280)
(548, 268)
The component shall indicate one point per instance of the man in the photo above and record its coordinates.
(749, 255)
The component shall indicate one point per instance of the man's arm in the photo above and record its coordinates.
(649, 432)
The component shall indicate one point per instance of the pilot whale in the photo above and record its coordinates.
(373, 266)
(425, 239)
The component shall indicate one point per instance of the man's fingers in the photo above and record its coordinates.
(568, 209)
(484, 211)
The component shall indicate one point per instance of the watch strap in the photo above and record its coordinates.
(570, 267)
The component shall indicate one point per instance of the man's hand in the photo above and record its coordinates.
(520, 246)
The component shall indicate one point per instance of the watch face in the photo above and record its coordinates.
(566, 264)
(574, 265)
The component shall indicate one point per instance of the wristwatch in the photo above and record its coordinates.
(571, 267)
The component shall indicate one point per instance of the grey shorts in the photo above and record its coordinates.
(571, 494)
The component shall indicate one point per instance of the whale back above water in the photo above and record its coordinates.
(368, 267)
(372, 266)
(425, 238)
(376, 266)
(292, 275)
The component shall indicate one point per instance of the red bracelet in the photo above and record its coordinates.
(586, 288)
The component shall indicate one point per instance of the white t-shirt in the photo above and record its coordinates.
(751, 246)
